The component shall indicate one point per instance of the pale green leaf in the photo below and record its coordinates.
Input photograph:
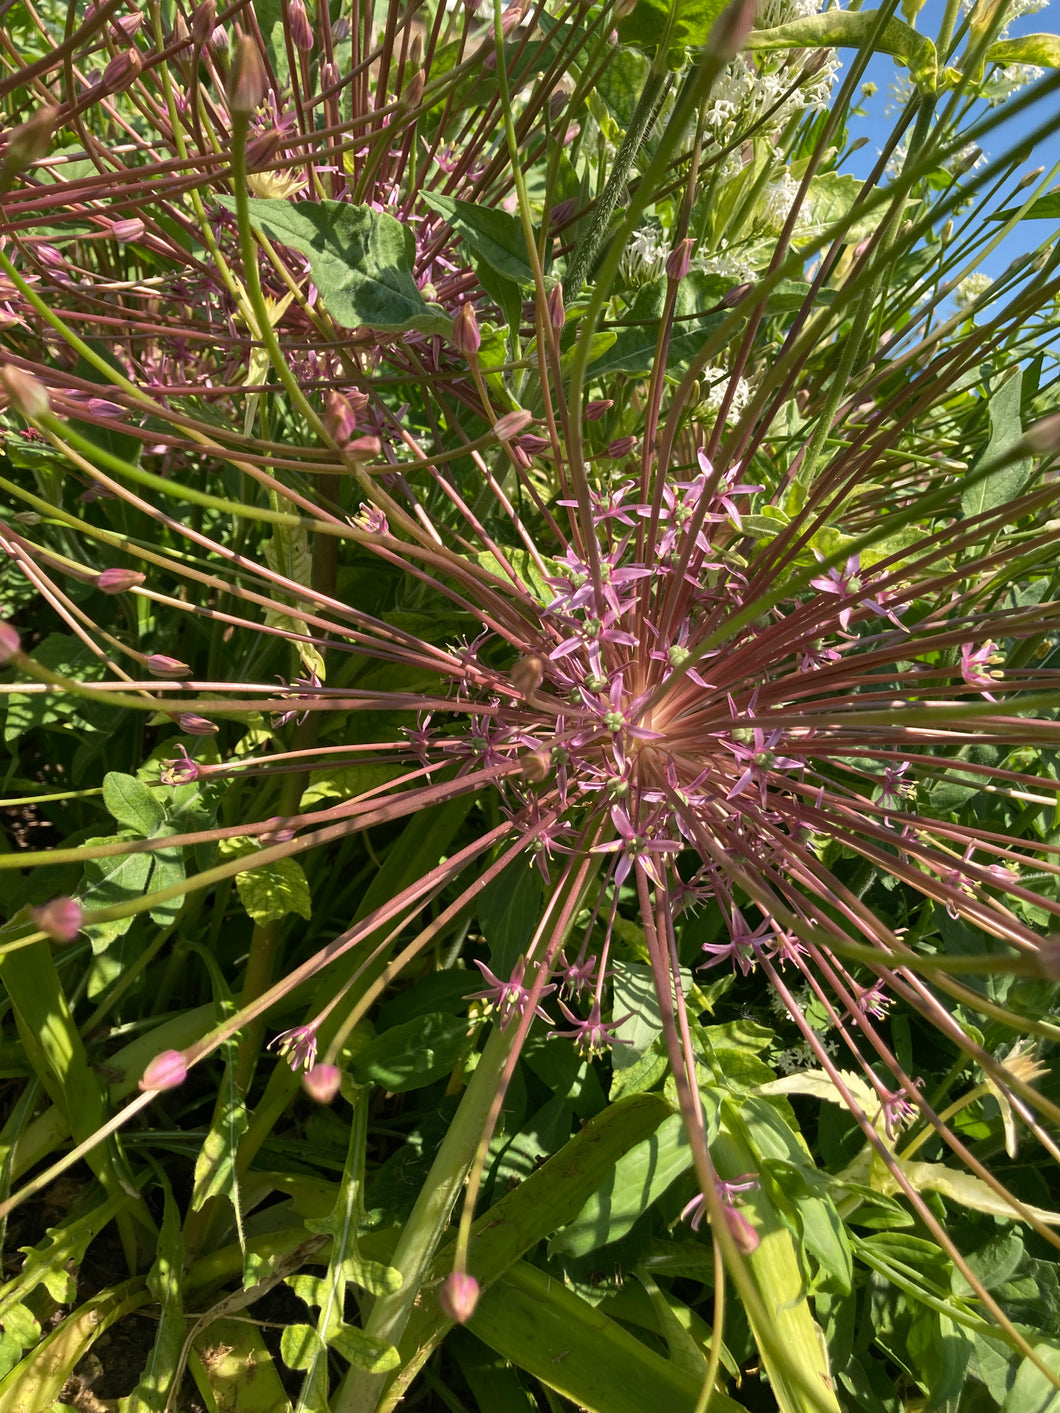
(853, 29)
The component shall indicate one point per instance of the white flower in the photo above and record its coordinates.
(644, 257)
(1006, 79)
(716, 381)
(969, 290)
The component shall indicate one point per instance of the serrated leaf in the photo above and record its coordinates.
(852, 29)
(361, 261)
(49, 1263)
(215, 1166)
(131, 803)
(164, 1282)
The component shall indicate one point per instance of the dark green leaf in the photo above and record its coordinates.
(360, 259)
(1003, 485)
(414, 1054)
(132, 803)
(492, 233)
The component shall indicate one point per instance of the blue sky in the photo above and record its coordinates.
(876, 126)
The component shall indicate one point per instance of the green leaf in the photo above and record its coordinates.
(360, 259)
(235, 1371)
(415, 1054)
(644, 28)
(962, 1187)
(270, 891)
(853, 29)
(535, 1322)
(1006, 430)
(493, 234)
(288, 552)
(71, 658)
(508, 911)
(164, 1283)
(1042, 49)
(215, 1167)
(1033, 1392)
(108, 882)
(364, 1351)
(1046, 208)
(638, 1178)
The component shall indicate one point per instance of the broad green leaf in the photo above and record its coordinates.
(493, 234)
(1000, 487)
(853, 29)
(1046, 208)
(71, 658)
(131, 803)
(415, 1054)
(360, 259)
(235, 1371)
(831, 197)
(638, 1178)
(534, 1321)
(345, 782)
(644, 27)
(300, 1346)
(1033, 1391)
(270, 891)
(108, 882)
(1041, 49)
(364, 1351)
(509, 909)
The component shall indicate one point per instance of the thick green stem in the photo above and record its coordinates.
(360, 1392)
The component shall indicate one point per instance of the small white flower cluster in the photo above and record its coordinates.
(716, 382)
(969, 290)
(779, 197)
(644, 257)
(723, 262)
(1006, 79)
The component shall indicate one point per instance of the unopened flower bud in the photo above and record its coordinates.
(466, 334)
(508, 427)
(193, 725)
(735, 295)
(298, 26)
(1030, 178)
(341, 29)
(10, 643)
(528, 673)
(276, 831)
(262, 148)
(121, 70)
(119, 581)
(562, 213)
(322, 1083)
(362, 449)
(731, 29)
(557, 315)
(532, 444)
(965, 161)
(536, 766)
(340, 421)
(946, 234)
(458, 1296)
(27, 394)
(595, 410)
(166, 1071)
(1043, 438)
(247, 80)
(159, 665)
(203, 22)
(620, 447)
(29, 142)
(126, 231)
(679, 259)
(623, 10)
(511, 17)
(413, 90)
(129, 24)
(61, 919)
(743, 1233)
